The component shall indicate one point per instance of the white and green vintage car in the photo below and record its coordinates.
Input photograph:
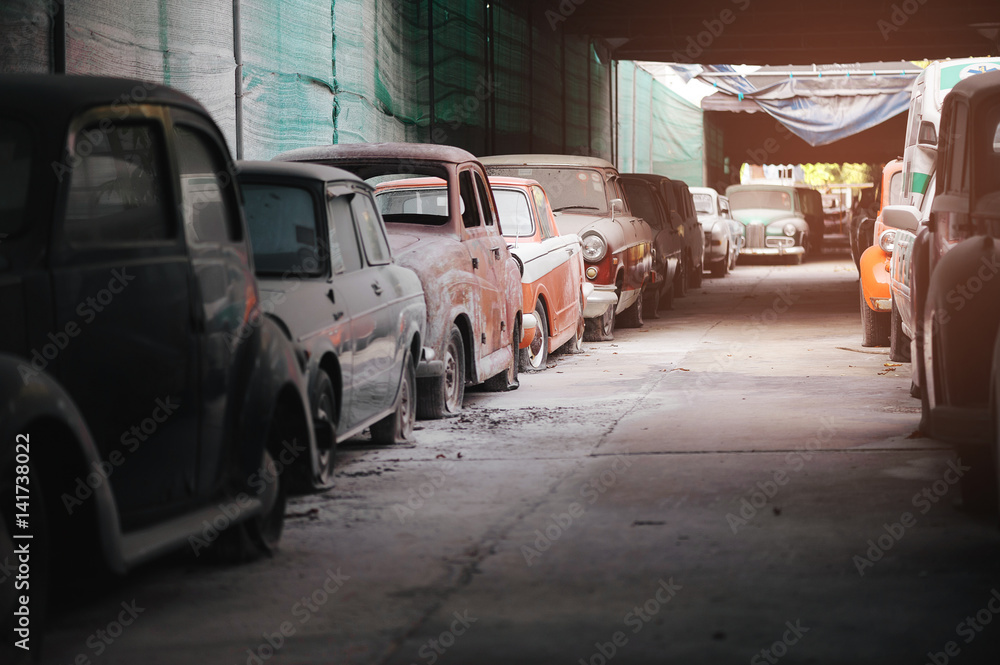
(779, 220)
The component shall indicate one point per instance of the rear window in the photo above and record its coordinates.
(15, 167)
(703, 203)
(768, 199)
(284, 230)
(427, 204)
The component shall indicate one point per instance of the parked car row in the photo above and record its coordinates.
(944, 301)
(189, 338)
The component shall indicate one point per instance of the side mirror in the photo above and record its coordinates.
(903, 217)
(618, 206)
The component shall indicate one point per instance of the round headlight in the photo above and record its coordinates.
(594, 247)
(789, 229)
(887, 241)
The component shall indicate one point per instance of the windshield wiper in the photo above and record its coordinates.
(577, 207)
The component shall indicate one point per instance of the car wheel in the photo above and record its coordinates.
(576, 344)
(632, 317)
(720, 268)
(601, 328)
(899, 342)
(325, 421)
(40, 549)
(874, 325)
(652, 310)
(507, 379)
(696, 276)
(536, 355)
(259, 535)
(442, 396)
(681, 280)
(666, 295)
(397, 427)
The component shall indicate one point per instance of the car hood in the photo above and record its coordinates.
(763, 215)
(612, 231)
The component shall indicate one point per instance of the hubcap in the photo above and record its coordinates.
(451, 379)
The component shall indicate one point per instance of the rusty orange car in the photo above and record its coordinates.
(552, 277)
(876, 299)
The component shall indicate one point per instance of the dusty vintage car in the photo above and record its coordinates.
(554, 288)
(147, 402)
(683, 216)
(588, 200)
(876, 301)
(723, 234)
(646, 201)
(325, 272)
(955, 262)
(471, 283)
(779, 219)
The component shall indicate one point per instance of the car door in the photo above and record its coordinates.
(225, 298)
(567, 275)
(483, 244)
(375, 303)
(121, 286)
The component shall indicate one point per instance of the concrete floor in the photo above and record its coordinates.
(708, 488)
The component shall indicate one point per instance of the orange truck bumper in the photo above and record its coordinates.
(875, 279)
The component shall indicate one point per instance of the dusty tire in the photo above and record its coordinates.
(535, 356)
(259, 535)
(681, 280)
(397, 427)
(600, 328)
(325, 421)
(652, 305)
(666, 296)
(720, 268)
(632, 317)
(899, 342)
(507, 380)
(696, 276)
(442, 396)
(874, 325)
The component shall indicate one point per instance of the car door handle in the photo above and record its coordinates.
(570, 251)
(377, 288)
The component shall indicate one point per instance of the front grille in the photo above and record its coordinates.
(755, 236)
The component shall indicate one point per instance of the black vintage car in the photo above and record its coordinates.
(326, 272)
(146, 404)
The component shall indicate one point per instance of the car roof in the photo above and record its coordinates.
(55, 99)
(303, 170)
(703, 190)
(546, 160)
(650, 177)
(359, 151)
(506, 181)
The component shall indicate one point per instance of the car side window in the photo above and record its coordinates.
(370, 230)
(206, 189)
(724, 207)
(467, 192)
(118, 189)
(485, 201)
(344, 253)
(542, 212)
(957, 181)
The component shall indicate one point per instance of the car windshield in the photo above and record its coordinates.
(569, 189)
(514, 211)
(703, 203)
(770, 199)
(284, 230)
(15, 166)
(641, 202)
(426, 205)
(896, 188)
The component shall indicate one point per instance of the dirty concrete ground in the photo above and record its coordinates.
(734, 482)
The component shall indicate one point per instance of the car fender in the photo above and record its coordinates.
(273, 369)
(43, 398)
(960, 324)
(875, 279)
